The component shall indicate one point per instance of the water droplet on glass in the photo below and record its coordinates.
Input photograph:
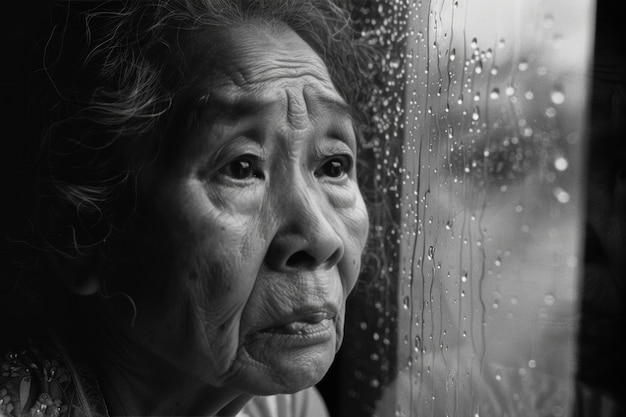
(474, 43)
(557, 97)
(476, 114)
(522, 66)
(460, 99)
(479, 68)
(464, 277)
(501, 43)
(431, 252)
(560, 163)
(453, 54)
(406, 302)
(561, 195)
(527, 131)
(498, 262)
(495, 93)
(477, 96)
(509, 91)
(418, 343)
(498, 376)
(549, 299)
(494, 70)
(532, 363)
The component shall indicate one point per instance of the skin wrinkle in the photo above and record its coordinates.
(240, 78)
(294, 65)
(287, 73)
(297, 110)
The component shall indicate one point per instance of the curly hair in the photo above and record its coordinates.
(114, 70)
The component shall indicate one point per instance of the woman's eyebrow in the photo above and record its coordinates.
(231, 107)
(344, 110)
(338, 107)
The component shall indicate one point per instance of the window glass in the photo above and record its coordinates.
(468, 305)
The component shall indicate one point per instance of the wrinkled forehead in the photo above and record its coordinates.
(255, 54)
(265, 60)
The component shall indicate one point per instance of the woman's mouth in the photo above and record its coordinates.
(307, 325)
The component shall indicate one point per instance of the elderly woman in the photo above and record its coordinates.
(197, 196)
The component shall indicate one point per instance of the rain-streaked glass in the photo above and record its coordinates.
(469, 306)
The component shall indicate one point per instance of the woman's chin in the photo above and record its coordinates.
(276, 362)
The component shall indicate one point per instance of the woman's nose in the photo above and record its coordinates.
(306, 239)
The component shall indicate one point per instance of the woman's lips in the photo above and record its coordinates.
(309, 324)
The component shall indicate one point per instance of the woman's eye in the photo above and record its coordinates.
(334, 167)
(241, 169)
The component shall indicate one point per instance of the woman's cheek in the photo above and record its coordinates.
(354, 225)
(341, 196)
(348, 205)
(356, 220)
(217, 296)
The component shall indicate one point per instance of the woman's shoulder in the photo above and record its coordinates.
(38, 378)
(306, 403)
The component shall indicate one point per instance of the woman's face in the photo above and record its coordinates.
(255, 231)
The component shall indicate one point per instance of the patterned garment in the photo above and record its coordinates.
(42, 381)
